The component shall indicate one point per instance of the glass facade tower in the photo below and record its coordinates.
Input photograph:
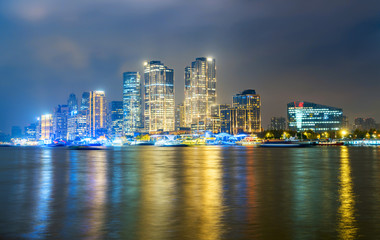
(158, 97)
(96, 114)
(200, 92)
(132, 107)
(304, 116)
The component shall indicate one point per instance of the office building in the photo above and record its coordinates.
(132, 102)
(216, 116)
(72, 103)
(16, 132)
(179, 117)
(250, 101)
(278, 123)
(115, 119)
(60, 117)
(158, 97)
(46, 127)
(200, 93)
(31, 132)
(96, 114)
(303, 116)
(84, 101)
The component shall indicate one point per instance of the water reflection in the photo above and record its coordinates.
(347, 223)
(42, 210)
(206, 192)
(157, 195)
(97, 184)
(211, 191)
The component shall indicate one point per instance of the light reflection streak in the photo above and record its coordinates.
(252, 216)
(211, 210)
(192, 192)
(157, 186)
(347, 223)
(98, 188)
(41, 216)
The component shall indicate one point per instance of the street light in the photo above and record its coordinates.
(343, 133)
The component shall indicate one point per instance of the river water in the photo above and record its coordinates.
(206, 192)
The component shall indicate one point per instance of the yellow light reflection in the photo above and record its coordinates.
(347, 223)
(98, 183)
(211, 212)
(157, 191)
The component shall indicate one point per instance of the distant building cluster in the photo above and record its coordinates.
(148, 107)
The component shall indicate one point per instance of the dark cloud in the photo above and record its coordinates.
(322, 51)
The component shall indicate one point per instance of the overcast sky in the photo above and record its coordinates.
(326, 52)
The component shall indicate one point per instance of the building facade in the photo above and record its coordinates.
(250, 120)
(278, 123)
(46, 127)
(179, 116)
(60, 117)
(132, 102)
(115, 119)
(96, 114)
(200, 93)
(77, 125)
(31, 132)
(303, 116)
(158, 97)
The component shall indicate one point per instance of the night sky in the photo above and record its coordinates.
(326, 52)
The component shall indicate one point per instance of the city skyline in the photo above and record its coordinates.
(320, 52)
(134, 85)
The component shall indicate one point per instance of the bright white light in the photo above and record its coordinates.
(145, 63)
(209, 59)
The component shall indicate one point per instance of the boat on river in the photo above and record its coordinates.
(286, 144)
(332, 143)
(170, 143)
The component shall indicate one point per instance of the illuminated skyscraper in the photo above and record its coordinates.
(72, 103)
(84, 101)
(31, 131)
(158, 97)
(132, 107)
(46, 127)
(245, 114)
(251, 102)
(179, 116)
(96, 114)
(115, 119)
(200, 93)
(60, 117)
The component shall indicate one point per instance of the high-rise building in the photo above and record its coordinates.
(244, 116)
(345, 122)
(77, 125)
(278, 123)
(115, 119)
(31, 132)
(72, 103)
(303, 116)
(251, 102)
(200, 93)
(60, 116)
(96, 114)
(369, 123)
(216, 116)
(179, 116)
(16, 132)
(84, 101)
(132, 102)
(46, 127)
(158, 97)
